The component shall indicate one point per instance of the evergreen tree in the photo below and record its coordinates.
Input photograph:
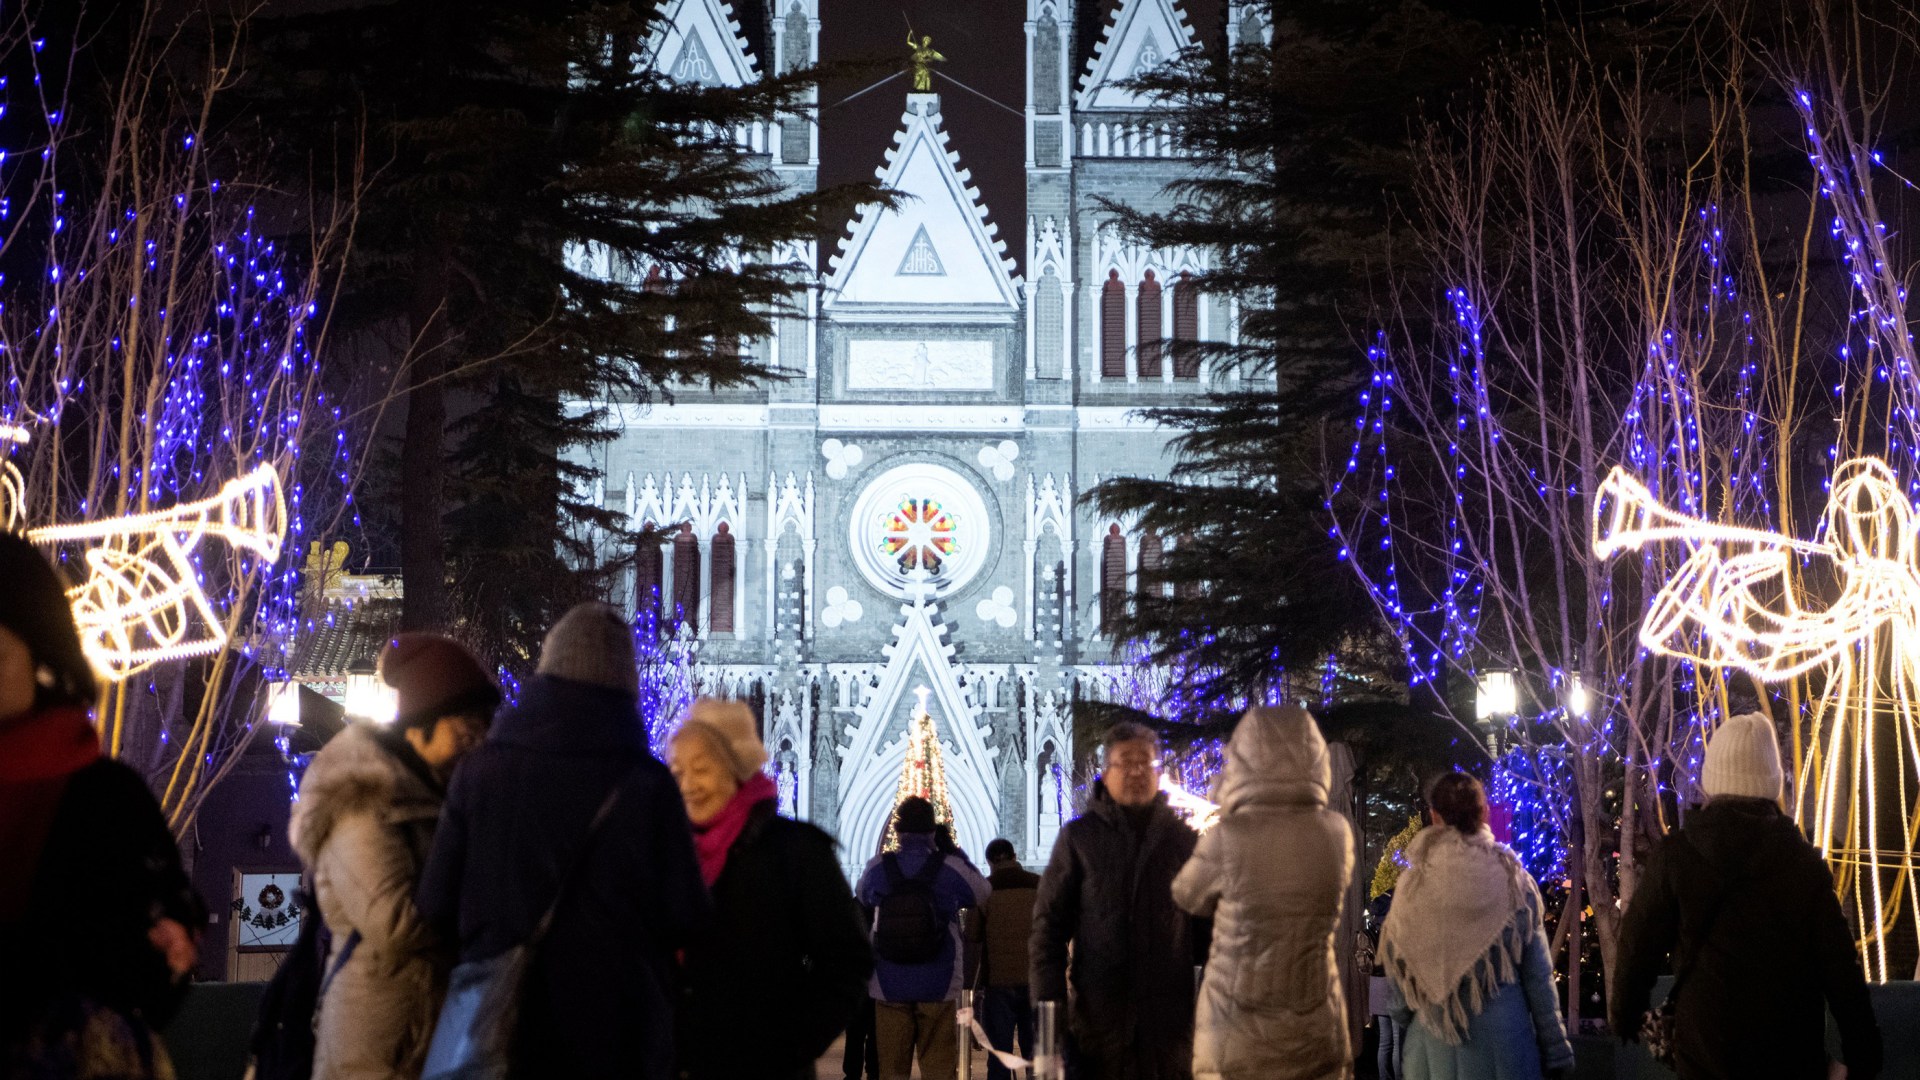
(1299, 148)
(923, 774)
(545, 219)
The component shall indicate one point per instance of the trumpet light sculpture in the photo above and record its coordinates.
(1741, 600)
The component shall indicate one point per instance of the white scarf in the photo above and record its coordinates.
(1461, 917)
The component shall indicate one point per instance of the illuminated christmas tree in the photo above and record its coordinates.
(924, 773)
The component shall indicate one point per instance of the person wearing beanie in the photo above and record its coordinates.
(785, 945)
(363, 826)
(917, 895)
(83, 844)
(598, 1000)
(1743, 909)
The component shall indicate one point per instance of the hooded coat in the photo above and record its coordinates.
(1271, 873)
(364, 825)
(1108, 894)
(1741, 895)
(598, 1000)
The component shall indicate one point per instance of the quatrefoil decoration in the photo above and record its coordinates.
(841, 457)
(998, 608)
(840, 608)
(998, 458)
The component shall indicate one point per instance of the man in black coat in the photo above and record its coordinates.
(1108, 894)
(599, 999)
(1747, 909)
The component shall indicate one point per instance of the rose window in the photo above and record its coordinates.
(919, 535)
(919, 527)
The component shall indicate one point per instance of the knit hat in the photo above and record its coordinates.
(913, 815)
(1743, 758)
(592, 644)
(34, 607)
(728, 727)
(435, 676)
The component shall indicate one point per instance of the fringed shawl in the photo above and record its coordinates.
(1462, 914)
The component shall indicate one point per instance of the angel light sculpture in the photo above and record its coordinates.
(1741, 599)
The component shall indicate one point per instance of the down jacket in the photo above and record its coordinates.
(364, 825)
(1271, 873)
(1108, 894)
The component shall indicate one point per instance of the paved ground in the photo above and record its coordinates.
(829, 1067)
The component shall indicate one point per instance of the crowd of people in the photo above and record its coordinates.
(528, 891)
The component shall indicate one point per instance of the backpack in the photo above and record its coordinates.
(908, 927)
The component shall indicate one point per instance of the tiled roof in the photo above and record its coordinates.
(341, 634)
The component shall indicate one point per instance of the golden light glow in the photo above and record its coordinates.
(13, 486)
(1741, 600)
(143, 602)
(1199, 813)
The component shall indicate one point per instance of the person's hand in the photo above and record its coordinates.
(176, 943)
(1836, 1071)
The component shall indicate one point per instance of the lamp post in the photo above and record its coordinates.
(366, 697)
(1496, 698)
(283, 708)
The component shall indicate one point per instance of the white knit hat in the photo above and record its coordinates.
(592, 644)
(1743, 758)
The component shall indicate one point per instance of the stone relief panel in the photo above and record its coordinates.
(892, 364)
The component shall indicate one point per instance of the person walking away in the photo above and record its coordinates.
(917, 894)
(1746, 909)
(1274, 867)
(598, 998)
(1007, 1009)
(98, 923)
(1106, 900)
(1466, 952)
(1380, 993)
(786, 946)
(363, 825)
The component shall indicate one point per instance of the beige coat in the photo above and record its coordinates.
(363, 825)
(1271, 872)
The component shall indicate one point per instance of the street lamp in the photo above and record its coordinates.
(367, 697)
(1579, 699)
(1496, 697)
(283, 709)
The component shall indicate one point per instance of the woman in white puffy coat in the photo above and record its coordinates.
(1272, 873)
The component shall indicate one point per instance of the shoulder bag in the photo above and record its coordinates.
(474, 1037)
(1656, 1024)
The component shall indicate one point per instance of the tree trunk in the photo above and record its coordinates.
(423, 458)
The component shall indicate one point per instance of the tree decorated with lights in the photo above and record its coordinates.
(164, 432)
(924, 773)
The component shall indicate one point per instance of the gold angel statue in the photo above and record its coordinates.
(1843, 610)
(920, 61)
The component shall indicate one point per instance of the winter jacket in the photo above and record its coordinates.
(958, 885)
(1271, 873)
(1777, 956)
(1107, 895)
(785, 956)
(363, 826)
(78, 954)
(598, 1001)
(1006, 958)
(1516, 1035)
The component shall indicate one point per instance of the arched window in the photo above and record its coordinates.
(1186, 328)
(720, 608)
(647, 568)
(1113, 328)
(1149, 334)
(1113, 579)
(1150, 562)
(686, 576)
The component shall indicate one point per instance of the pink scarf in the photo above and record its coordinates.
(712, 841)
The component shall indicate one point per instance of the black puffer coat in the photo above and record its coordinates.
(770, 984)
(1108, 891)
(1775, 958)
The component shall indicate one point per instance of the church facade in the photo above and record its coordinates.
(903, 511)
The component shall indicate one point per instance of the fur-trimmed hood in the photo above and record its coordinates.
(361, 770)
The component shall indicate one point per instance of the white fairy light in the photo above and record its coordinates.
(13, 486)
(1739, 601)
(142, 602)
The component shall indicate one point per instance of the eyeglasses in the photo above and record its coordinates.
(1150, 765)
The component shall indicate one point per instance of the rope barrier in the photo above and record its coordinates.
(972, 1023)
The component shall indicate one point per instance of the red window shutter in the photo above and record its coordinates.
(720, 608)
(1147, 305)
(1113, 328)
(1186, 328)
(686, 576)
(1150, 560)
(1113, 578)
(647, 567)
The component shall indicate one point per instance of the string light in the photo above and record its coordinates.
(142, 602)
(924, 773)
(1736, 603)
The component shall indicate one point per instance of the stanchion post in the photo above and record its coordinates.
(1048, 1063)
(963, 1035)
